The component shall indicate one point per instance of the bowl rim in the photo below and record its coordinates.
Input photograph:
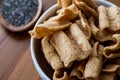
(32, 41)
(36, 64)
(13, 28)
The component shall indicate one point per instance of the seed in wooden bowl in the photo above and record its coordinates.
(19, 12)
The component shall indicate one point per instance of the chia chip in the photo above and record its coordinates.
(19, 12)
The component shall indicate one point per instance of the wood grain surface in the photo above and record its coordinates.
(15, 58)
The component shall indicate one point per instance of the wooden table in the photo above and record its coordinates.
(15, 58)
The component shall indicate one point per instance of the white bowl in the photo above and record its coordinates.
(41, 65)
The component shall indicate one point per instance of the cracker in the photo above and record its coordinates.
(103, 18)
(51, 54)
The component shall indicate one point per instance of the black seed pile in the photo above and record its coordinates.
(19, 12)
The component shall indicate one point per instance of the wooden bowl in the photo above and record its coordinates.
(13, 28)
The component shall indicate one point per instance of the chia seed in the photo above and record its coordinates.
(19, 12)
